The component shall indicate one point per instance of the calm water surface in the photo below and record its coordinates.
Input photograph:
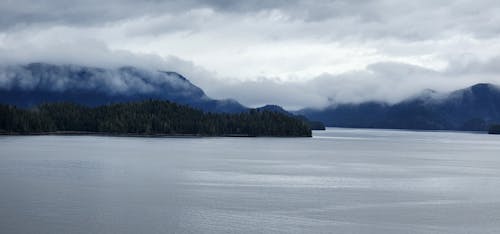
(339, 181)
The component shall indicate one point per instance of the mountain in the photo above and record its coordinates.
(470, 109)
(274, 108)
(36, 83)
(314, 125)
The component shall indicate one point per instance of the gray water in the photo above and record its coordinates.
(339, 181)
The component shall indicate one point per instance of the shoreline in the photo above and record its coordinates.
(158, 135)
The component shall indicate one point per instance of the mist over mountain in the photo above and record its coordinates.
(472, 109)
(36, 83)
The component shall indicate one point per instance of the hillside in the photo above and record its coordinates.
(471, 109)
(314, 125)
(37, 83)
(146, 118)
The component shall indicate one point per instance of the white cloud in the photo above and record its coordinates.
(294, 53)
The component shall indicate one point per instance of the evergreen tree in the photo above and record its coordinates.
(148, 118)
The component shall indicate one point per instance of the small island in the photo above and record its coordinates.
(494, 129)
(146, 118)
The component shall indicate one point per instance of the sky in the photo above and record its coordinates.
(294, 53)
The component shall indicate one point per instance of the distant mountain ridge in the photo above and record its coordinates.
(36, 83)
(470, 109)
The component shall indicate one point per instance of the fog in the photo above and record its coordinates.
(295, 54)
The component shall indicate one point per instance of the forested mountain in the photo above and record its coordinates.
(314, 125)
(147, 118)
(36, 83)
(27, 86)
(471, 109)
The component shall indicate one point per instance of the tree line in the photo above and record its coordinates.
(149, 117)
(494, 129)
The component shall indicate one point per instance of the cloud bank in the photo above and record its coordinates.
(123, 81)
(294, 53)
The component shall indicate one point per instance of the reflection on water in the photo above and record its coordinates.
(341, 180)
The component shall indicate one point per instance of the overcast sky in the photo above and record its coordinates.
(295, 53)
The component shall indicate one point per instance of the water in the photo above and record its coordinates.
(339, 181)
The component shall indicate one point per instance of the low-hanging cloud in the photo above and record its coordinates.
(386, 82)
(298, 53)
(383, 82)
(123, 81)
